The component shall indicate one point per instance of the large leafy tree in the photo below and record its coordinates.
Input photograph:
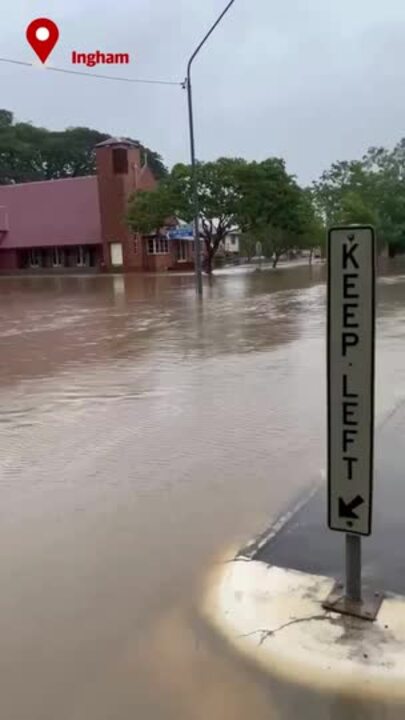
(29, 153)
(219, 195)
(150, 211)
(313, 230)
(370, 190)
(261, 199)
(6, 118)
(219, 192)
(387, 170)
(274, 209)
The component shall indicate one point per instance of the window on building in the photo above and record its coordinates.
(57, 257)
(120, 161)
(182, 251)
(135, 246)
(82, 256)
(158, 246)
(233, 240)
(35, 258)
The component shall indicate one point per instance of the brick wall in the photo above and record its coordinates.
(119, 176)
(157, 263)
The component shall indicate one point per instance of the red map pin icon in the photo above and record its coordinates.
(42, 35)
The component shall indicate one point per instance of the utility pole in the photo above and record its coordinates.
(196, 209)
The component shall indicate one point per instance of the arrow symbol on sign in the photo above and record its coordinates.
(346, 510)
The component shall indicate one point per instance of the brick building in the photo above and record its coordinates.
(79, 223)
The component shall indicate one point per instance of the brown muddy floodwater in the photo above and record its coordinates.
(141, 435)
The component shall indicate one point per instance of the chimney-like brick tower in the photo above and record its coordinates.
(119, 174)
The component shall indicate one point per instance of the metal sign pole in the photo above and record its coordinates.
(353, 567)
(351, 345)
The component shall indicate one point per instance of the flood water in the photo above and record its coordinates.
(142, 434)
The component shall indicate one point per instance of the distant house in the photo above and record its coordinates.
(232, 242)
(230, 245)
(183, 235)
(78, 224)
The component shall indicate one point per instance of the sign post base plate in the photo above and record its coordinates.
(367, 608)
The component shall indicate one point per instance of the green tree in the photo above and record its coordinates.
(273, 240)
(155, 163)
(342, 178)
(219, 200)
(247, 245)
(354, 209)
(370, 190)
(149, 211)
(261, 199)
(29, 153)
(388, 171)
(6, 118)
(274, 209)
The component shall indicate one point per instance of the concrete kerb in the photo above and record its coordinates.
(255, 544)
(319, 664)
(274, 617)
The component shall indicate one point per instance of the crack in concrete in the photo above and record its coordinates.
(265, 634)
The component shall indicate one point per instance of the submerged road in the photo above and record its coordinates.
(140, 436)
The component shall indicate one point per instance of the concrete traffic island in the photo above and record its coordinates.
(267, 603)
(320, 664)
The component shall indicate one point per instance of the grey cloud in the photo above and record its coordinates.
(310, 81)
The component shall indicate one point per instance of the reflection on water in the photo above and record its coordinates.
(141, 433)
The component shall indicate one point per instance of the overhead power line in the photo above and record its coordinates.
(99, 76)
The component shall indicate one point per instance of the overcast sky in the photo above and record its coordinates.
(312, 81)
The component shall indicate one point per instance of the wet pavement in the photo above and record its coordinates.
(141, 434)
(305, 543)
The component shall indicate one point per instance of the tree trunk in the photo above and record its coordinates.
(311, 252)
(208, 262)
(275, 260)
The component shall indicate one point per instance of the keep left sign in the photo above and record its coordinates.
(351, 345)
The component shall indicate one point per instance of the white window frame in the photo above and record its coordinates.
(59, 254)
(158, 246)
(35, 258)
(81, 256)
(182, 254)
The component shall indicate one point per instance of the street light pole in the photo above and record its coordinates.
(196, 209)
